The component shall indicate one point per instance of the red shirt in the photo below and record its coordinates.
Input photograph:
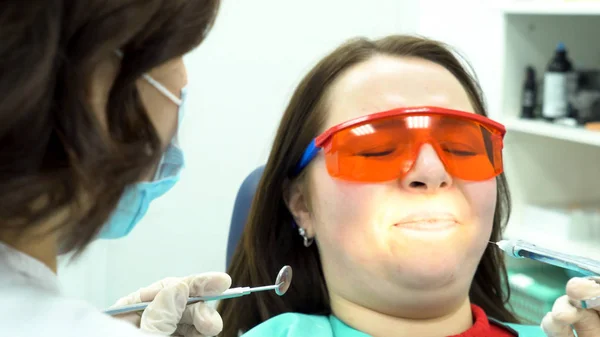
(482, 326)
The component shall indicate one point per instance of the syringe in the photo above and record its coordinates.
(582, 265)
(523, 249)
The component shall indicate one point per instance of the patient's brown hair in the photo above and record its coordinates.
(53, 149)
(270, 241)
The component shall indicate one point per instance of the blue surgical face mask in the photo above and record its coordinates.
(136, 200)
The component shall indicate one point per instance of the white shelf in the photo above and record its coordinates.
(547, 129)
(538, 152)
(551, 7)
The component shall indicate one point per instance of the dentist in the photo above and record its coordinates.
(93, 94)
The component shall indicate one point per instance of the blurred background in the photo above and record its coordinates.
(243, 75)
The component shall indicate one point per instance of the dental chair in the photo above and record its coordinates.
(241, 208)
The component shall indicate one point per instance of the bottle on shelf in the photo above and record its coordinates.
(559, 85)
(529, 99)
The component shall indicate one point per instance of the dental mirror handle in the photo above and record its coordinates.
(229, 293)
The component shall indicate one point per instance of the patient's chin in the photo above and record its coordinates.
(430, 265)
(429, 273)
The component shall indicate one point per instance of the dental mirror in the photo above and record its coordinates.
(281, 286)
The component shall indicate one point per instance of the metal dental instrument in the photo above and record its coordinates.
(585, 266)
(282, 284)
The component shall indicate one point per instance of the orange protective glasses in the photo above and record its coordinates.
(384, 146)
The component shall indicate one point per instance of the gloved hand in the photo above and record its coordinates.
(567, 311)
(168, 314)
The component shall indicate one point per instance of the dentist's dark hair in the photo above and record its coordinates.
(270, 241)
(57, 161)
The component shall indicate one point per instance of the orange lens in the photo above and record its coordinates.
(386, 149)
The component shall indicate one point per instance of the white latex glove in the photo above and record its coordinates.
(586, 322)
(168, 314)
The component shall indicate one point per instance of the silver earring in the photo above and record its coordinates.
(307, 241)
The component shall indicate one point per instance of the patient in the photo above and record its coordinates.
(382, 190)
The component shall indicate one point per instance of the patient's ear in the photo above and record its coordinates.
(296, 199)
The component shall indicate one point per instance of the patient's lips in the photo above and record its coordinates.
(428, 221)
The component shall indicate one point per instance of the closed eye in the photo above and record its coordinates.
(462, 150)
(376, 153)
(461, 153)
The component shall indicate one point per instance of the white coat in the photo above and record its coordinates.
(31, 304)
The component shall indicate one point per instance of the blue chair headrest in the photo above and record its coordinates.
(243, 202)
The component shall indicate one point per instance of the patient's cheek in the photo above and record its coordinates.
(482, 201)
(336, 212)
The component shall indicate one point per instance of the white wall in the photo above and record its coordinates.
(240, 81)
(475, 29)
